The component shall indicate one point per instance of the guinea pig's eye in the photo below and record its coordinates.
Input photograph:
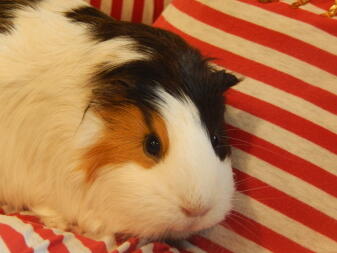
(152, 145)
(215, 141)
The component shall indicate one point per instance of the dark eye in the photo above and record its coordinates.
(215, 141)
(152, 145)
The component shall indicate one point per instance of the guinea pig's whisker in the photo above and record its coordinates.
(237, 139)
(226, 224)
(255, 189)
(249, 144)
(165, 234)
(236, 200)
(237, 216)
(231, 129)
(238, 182)
(239, 221)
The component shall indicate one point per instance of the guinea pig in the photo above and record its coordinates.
(109, 127)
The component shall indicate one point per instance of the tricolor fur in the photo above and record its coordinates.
(80, 93)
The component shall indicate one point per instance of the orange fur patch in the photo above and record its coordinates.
(122, 140)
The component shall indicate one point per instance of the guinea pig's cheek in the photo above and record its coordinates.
(121, 140)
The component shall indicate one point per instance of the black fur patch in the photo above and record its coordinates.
(7, 12)
(175, 66)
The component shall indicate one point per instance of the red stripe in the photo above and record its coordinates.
(265, 74)
(261, 35)
(207, 245)
(283, 159)
(158, 8)
(56, 241)
(27, 218)
(15, 241)
(262, 235)
(116, 9)
(96, 3)
(323, 4)
(325, 24)
(137, 12)
(287, 205)
(287, 120)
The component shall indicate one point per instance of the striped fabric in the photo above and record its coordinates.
(281, 119)
(138, 11)
(22, 233)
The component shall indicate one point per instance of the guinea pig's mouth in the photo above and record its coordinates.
(179, 234)
(186, 230)
(175, 232)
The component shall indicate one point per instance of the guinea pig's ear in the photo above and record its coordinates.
(226, 80)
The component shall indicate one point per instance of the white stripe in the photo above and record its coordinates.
(3, 247)
(127, 8)
(148, 248)
(110, 242)
(31, 238)
(106, 6)
(284, 225)
(173, 250)
(124, 247)
(285, 182)
(233, 241)
(282, 138)
(289, 102)
(294, 28)
(147, 16)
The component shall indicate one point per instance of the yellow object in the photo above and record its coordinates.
(332, 11)
(299, 3)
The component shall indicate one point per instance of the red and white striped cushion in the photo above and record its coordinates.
(281, 119)
(138, 11)
(21, 233)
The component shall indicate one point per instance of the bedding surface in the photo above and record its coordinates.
(281, 121)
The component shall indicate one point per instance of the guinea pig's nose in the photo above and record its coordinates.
(195, 212)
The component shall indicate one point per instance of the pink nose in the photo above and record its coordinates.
(194, 212)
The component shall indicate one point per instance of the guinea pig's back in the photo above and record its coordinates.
(41, 59)
(46, 65)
